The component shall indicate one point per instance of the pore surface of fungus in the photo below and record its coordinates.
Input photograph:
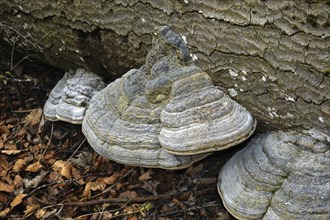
(279, 176)
(71, 96)
(166, 114)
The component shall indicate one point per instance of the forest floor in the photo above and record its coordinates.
(49, 171)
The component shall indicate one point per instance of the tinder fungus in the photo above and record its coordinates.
(70, 98)
(279, 176)
(166, 114)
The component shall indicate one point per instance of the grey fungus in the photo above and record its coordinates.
(123, 125)
(166, 114)
(70, 97)
(200, 118)
(279, 176)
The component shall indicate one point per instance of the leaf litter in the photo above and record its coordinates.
(48, 171)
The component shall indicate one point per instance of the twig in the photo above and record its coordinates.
(21, 60)
(56, 182)
(24, 111)
(21, 35)
(209, 204)
(48, 143)
(119, 200)
(12, 55)
(101, 212)
(15, 80)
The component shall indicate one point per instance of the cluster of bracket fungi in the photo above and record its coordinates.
(168, 114)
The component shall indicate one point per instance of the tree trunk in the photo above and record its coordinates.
(271, 56)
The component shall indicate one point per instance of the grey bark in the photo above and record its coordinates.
(271, 56)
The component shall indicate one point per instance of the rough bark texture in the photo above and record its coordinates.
(272, 56)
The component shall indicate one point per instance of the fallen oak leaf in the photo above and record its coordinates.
(35, 181)
(4, 187)
(63, 167)
(4, 212)
(20, 132)
(30, 209)
(4, 129)
(99, 184)
(128, 195)
(150, 186)
(4, 165)
(33, 117)
(18, 181)
(34, 167)
(40, 213)
(17, 200)
(19, 165)
(11, 152)
(1, 143)
(146, 176)
(83, 160)
(10, 147)
(3, 198)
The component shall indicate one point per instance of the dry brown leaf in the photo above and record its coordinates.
(151, 186)
(11, 152)
(4, 165)
(20, 132)
(40, 213)
(77, 175)
(83, 159)
(203, 212)
(128, 194)
(54, 176)
(33, 118)
(64, 168)
(17, 200)
(4, 212)
(3, 198)
(7, 179)
(18, 181)
(34, 167)
(4, 129)
(99, 184)
(10, 147)
(4, 187)
(110, 180)
(146, 176)
(36, 180)
(19, 165)
(30, 209)
(1, 143)
(134, 217)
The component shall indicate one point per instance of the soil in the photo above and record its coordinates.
(49, 171)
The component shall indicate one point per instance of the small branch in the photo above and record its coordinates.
(21, 60)
(118, 200)
(24, 111)
(54, 183)
(15, 80)
(12, 55)
(111, 200)
(21, 35)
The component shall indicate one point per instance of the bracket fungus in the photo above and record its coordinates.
(71, 95)
(279, 176)
(166, 114)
